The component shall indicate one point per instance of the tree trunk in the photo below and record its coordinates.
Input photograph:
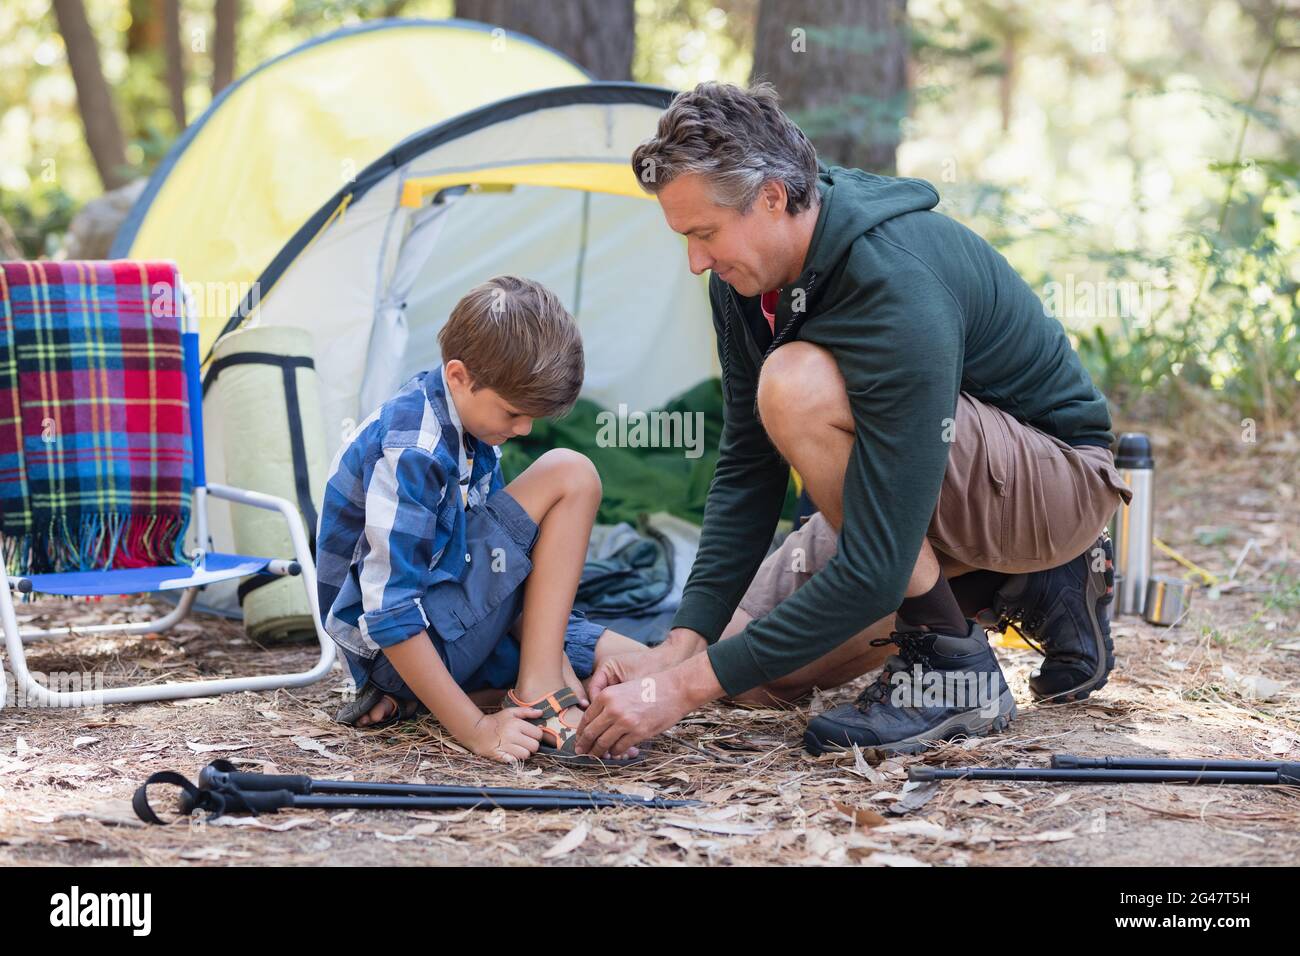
(841, 69)
(223, 44)
(175, 54)
(145, 33)
(599, 35)
(94, 101)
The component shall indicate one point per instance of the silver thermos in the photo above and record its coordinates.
(1133, 528)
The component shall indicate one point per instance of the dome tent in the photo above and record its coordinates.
(281, 140)
(539, 185)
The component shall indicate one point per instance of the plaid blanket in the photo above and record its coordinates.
(96, 456)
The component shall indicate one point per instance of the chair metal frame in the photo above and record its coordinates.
(37, 694)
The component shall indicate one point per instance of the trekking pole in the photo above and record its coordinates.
(1287, 774)
(221, 775)
(225, 797)
(1070, 761)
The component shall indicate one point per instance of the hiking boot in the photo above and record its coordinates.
(1064, 613)
(938, 686)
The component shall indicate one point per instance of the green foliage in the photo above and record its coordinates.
(1038, 123)
(38, 218)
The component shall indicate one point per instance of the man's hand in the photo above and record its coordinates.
(625, 714)
(633, 667)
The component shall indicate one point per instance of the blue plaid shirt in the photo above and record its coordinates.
(393, 520)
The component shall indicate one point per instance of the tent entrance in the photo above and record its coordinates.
(597, 251)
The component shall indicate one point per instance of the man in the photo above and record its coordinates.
(941, 422)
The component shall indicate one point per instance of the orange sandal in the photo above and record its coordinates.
(559, 737)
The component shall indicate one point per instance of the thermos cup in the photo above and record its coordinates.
(1133, 528)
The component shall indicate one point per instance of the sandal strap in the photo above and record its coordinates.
(551, 705)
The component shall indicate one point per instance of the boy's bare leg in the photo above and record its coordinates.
(561, 492)
(610, 644)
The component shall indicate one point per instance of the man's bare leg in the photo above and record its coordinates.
(847, 662)
(805, 410)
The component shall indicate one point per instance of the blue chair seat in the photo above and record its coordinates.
(215, 567)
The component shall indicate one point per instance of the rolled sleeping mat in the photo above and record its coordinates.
(273, 441)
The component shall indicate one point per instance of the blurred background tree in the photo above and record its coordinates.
(1138, 161)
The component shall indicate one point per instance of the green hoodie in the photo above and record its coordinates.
(915, 308)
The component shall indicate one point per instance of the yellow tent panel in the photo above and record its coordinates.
(283, 140)
(614, 178)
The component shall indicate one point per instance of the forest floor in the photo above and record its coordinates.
(1224, 682)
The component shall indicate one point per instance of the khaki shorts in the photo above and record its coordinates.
(1014, 499)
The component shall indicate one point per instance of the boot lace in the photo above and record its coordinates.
(910, 652)
(1028, 623)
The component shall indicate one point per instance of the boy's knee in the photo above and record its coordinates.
(578, 473)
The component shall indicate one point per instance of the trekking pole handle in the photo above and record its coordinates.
(221, 775)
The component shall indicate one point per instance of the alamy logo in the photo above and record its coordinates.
(624, 429)
(962, 690)
(102, 909)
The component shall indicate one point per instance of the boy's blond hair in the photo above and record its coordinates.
(516, 338)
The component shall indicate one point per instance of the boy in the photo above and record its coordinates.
(436, 579)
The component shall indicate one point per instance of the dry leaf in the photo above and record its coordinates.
(708, 826)
(861, 816)
(1047, 836)
(1253, 686)
(212, 853)
(568, 843)
(211, 748)
(290, 824)
(639, 790)
(680, 837)
(892, 859)
(922, 828)
(915, 796)
(864, 769)
(84, 742)
(971, 796)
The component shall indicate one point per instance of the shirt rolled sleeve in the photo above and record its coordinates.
(401, 542)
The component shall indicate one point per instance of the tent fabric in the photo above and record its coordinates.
(267, 390)
(614, 177)
(636, 480)
(280, 141)
(590, 248)
(373, 274)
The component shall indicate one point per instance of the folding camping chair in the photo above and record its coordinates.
(205, 567)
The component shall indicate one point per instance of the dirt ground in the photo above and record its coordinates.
(1222, 683)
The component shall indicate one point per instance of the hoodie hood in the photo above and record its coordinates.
(854, 202)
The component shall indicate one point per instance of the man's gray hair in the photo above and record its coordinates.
(737, 140)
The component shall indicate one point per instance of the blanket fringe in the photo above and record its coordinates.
(98, 542)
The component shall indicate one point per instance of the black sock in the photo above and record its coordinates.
(974, 591)
(936, 609)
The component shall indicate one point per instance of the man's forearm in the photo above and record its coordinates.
(693, 681)
(682, 644)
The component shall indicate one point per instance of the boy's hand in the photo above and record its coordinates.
(506, 735)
